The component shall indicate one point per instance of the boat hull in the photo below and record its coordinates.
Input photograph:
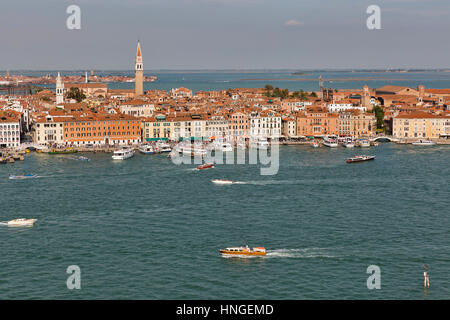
(242, 253)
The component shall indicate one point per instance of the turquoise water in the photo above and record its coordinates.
(145, 228)
(223, 80)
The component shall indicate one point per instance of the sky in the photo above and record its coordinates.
(224, 34)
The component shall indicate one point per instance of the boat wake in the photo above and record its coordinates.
(266, 182)
(299, 253)
(3, 223)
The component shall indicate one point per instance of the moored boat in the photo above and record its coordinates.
(423, 143)
(62, 151)
(243, 251)
(330, 142)
(146, 149)
(314, 144)
(364, 143)
(122, 154)
(360, 159)
(22, 222)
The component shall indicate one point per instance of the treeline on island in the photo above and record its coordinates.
(272, 92)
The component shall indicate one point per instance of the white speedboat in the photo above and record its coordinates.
(423, 143)
(330, 142)
(260, 143)
(225, 147)
(163, 147)
(349, 143)
(364, 143)
(25, 176)
(122, 154)
(146, 149)
(221, 181)
(21, 222)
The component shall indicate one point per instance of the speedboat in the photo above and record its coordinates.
(423, 143)
(360, 159)
(146, 149)
(122, 154)
(81, 158)
(243, 251)
(21, 222)
(364, 143)
(330, 142)
(260, 143)
(25, 176)
(221, 181)
(205, 166)
(164, 147)
(314, 144)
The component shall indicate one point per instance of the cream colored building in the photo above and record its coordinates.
(421, 125)
(49, 131)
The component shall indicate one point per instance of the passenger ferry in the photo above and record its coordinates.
(423, 143)
(123, 153)
(364, 143)
(243, 251)
(330, 142)
(146, 149)
(21, 222)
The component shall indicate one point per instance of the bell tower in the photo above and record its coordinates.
(59, 90)
(139, 76)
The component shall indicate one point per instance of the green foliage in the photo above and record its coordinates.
(379, 114)
(75, 93)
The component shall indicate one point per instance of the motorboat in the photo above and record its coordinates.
(205, 166)
(225, 147)
(22, 222)
(315, 144)
(122, 154)
(330, 142)
(221, 181)
(360, 159)
(423, 143)
(364, 143)
(243, 251)
(81, 158)
(146, 149)
(260, 143)
(25, 176)
(348, 143)
(163, 147)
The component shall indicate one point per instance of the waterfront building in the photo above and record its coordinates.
(355, 123)
(139, 73)
(317, 121)
(49, 130)
(238, 125)
(421, 125)
(289, 127)
(10, 129)
(265, 124)
(216, 126)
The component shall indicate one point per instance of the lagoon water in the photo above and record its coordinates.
(146, 228)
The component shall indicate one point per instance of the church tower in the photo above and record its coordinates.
(139, 78)
(59, 90)
(365, 99)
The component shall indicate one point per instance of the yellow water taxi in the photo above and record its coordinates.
(244, 251)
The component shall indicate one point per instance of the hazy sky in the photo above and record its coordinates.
(224, 34)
